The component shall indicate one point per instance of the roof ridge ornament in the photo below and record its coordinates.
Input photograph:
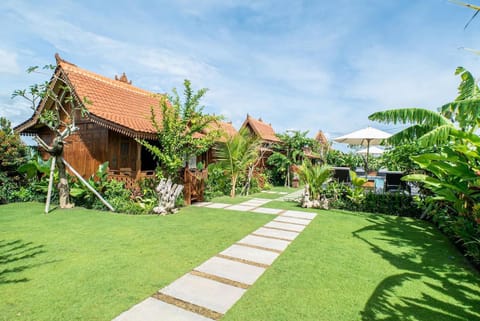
(123, 78)
(59, 60)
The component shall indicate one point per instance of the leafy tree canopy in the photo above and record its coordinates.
(183, 130)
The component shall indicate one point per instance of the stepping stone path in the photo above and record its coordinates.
(211, 289)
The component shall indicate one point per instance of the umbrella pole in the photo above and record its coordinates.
(368, 150)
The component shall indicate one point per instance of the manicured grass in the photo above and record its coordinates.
(88, 265)
(347, 266)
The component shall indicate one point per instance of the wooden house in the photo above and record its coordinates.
(118, 114)
(264, 132)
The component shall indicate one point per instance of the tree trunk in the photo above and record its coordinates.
(234, 184)
(63, 189)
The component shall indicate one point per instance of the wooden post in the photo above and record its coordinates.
(89, 186)
(138, 165)
(50, 185)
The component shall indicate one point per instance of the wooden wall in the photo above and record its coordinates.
(87, 148)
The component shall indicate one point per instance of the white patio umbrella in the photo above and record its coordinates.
(365, 137)
(374, 150)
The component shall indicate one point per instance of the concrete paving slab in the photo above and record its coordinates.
(204, 292)
(155, 310)
(278, 245)
(218, 205)
(252, 203)
(232, 270)
(265, 210)
(286, 219)
(201, 204)
(240, 207)
(285, 226)
(251, 254)
(299, 214)
(263, 200)
(276, 233)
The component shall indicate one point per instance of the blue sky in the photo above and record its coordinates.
(303, 65)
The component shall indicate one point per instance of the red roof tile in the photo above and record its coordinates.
(115, 101)
(263, 130)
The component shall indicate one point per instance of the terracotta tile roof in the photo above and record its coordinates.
(115, 103)
(113, 100)
(263, 130)
(226, 130)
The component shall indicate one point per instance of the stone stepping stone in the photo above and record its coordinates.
(276, 233)
(213, 295)
(252, 203)
(155, 310)
(232, 270)
(265, 210)
(201, 204)
(298, 214)
(286, 226)
(240, 207)
(285, 219)
(267, 243)
(251, 254)
(217, 205)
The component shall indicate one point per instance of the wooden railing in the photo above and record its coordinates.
(129, 177)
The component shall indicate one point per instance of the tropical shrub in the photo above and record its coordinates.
(291, 151)
(316, 176)
(341, 159)
(13, 151)
(237, 156)
(452, 172)
(182, 120)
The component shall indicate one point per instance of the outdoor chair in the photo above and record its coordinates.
(394, 183)
(341, 174)
(360, 171)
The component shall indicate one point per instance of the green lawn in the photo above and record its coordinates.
(347, 266)
(89, 265)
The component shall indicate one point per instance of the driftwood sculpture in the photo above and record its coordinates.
(167, 195)
(307, 201)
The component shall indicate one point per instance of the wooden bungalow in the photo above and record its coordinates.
(264, 132)
(227, 130)
(118, 114)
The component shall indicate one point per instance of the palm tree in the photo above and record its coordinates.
(315, 176)
(236, 155)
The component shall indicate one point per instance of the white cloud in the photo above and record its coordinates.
(389, 78)
(8, 62)
(15, 110)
